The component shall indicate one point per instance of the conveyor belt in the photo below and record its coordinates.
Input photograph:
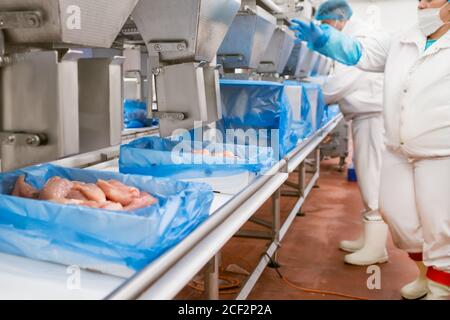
(166, 276)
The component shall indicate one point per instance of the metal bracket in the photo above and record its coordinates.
(2, 45)
(179, 116)
(230, 57)
(4, 60)
(20, 19)
(269, 63)
(23, 139)
(247, 10)
(156, 47)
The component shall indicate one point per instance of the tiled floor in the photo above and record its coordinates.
(309, 255)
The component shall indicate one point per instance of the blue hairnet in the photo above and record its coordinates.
(334, 10)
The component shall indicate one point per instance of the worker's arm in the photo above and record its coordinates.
(341, 84)
(368, 53)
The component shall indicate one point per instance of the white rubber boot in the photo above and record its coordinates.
(419, 287)
(358, 244)
(374, 249)
(437, 291)
(352, 246)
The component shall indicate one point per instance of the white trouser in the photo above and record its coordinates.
(368, 145)
(415, 200)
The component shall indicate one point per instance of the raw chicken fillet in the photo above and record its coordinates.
(108, 195)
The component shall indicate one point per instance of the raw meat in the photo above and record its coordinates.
(225, 154)
(109, 195)
(118, 192)
(68, 201)
(56, 188)
(76, 195)
(203, 152)
(113, 206)
(24, 190)
(132, 190)
(145, 200)
(90, 191)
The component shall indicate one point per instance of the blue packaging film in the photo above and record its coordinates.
(135, 115)
(176, 158)
(264, 107)
(332, 111)
(317, 103)
(108, 241)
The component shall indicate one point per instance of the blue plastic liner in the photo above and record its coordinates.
(332, 111)
(306, 112)
(317, 102)
(74, 235)
(135, 115)
(261, 106)
(173, 158)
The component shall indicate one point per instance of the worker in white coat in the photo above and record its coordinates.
(360, 97)
(415, 175)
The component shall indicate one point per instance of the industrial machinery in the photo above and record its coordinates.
(247, 40)
(182, 40)
(100, 81)
(65, 67)
(39, 71)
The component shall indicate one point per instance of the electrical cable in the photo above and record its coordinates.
(307, 290)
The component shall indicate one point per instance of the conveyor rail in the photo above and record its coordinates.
(168, 275)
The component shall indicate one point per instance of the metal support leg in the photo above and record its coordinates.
(301, 185)
(212, 278)
(317, 164)
(276, 220)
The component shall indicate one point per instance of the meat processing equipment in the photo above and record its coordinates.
(322, 66)
(135, 73)
(277, 54)
(39, 72)
(100, 99)
(247, 40)
(182, 39)
(301, 62)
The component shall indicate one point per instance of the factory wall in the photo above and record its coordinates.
(390, 15)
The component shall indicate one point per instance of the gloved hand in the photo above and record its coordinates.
(309, 32)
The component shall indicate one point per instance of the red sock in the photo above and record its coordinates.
(438, 276)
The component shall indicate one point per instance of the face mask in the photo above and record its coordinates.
(430, 20)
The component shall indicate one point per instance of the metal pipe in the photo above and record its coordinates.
(272, 6)
(2, 44)
(296, 157)
(273, 248)
(254, 234)
(3, 59)
(284, 229)
(211, 282)
(137, 285)
(151, 279)
(172, 282)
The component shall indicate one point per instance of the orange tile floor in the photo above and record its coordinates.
(309, 255)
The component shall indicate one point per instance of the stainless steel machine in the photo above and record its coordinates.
(182, 39)
(278, 52)
(247, 40)
(100, 82)
(39, 72)
(302, 62)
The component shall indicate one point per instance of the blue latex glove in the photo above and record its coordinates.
(329, 42)
(314, 35)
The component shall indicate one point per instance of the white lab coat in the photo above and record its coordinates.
(360, 98)
(415, 179)
(417, 91)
